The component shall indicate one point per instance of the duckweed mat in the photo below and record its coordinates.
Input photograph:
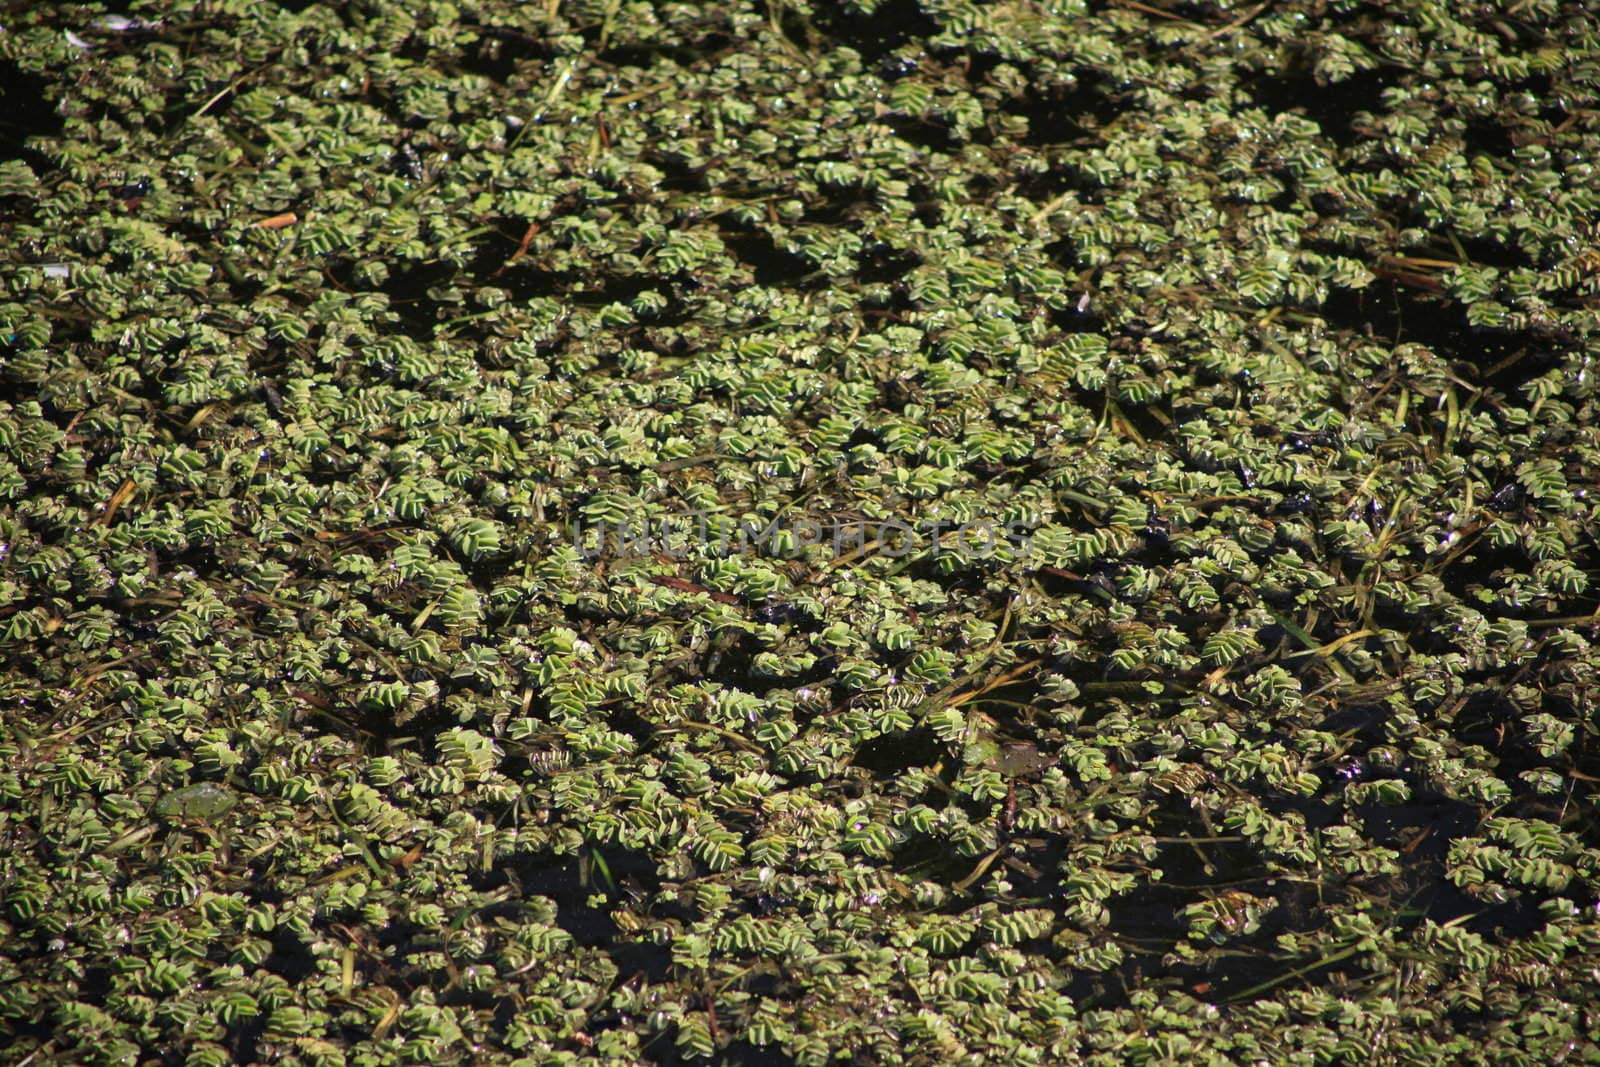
(802, 532)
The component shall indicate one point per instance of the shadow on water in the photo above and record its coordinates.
(773, 266)
(25, 112)
(931, 134)
(1334, 106)
(890, 26)
(570, 881)
(1149, 921)
(500, 50)
(662, 1052)
(1502, 360)
(893, 754)
(1060, 115)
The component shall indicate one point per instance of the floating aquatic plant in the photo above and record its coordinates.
(1259, 337)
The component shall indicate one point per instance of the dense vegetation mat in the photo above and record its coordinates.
(1034, 532)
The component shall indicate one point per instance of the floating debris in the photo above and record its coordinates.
(203, 800)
